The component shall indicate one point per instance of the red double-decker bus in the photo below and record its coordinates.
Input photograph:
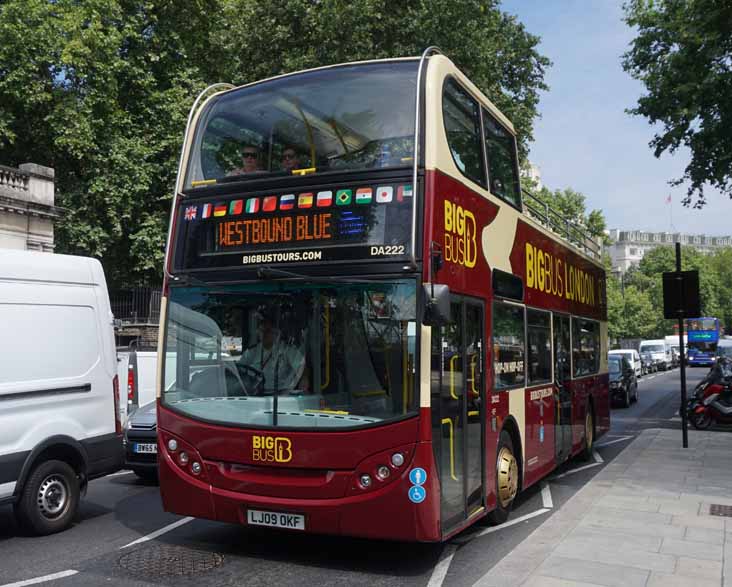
(367, 330)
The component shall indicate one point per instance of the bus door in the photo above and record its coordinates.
(457, 411)
(562, 388)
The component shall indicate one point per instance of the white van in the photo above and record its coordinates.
(658, 349)
(633, 358)
(60, 419)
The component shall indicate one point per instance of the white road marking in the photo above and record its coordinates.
(597, 457)
(119, 473)
(573, 471)
(157, 533)
(43, 579)
(546, 496)
(609, 442)
(512, 522)
(440, 571)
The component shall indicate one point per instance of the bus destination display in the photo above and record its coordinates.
(349, 223)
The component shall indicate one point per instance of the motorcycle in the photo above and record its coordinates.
(712, 400)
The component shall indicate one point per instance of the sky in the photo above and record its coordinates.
(585, 140)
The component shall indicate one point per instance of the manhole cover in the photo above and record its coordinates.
(717, 509)
(164, 561)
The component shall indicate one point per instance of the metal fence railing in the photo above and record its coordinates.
(563, 227)
(137, 305)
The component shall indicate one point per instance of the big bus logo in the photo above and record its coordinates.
(460, 246)
(271, 449)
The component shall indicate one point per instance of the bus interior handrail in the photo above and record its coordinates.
(565, 228)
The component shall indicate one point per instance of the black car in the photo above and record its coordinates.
(141, 442)
(623, 382)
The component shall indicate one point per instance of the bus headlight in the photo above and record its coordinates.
(196, 468)
(172, 445)
(183, 458)
(382, 472)
(397, 459)
(365, 481)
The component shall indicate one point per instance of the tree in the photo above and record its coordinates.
(100, 89)
(572, 205)
(683, 55)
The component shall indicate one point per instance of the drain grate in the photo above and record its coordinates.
(717, 509)
(165, 561)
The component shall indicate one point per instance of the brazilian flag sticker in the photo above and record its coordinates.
(343, 197)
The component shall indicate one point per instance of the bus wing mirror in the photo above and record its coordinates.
(436, 304)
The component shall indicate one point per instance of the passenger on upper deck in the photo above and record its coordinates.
(290, 159)
(249, 161)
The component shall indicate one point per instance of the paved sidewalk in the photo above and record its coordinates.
(642, 521)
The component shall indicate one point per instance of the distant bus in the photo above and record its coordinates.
(703, 336)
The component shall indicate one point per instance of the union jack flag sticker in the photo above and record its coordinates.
(191, 212)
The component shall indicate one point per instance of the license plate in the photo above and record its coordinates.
(146, 447)
(276, 520)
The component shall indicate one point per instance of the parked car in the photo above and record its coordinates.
(633, 358)
(659, 350)
(61, 419)
(623, 382)
(141, 441)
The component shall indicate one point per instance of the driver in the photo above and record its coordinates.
(281, 364)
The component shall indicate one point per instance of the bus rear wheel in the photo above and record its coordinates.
(507, 479)
(589, 441)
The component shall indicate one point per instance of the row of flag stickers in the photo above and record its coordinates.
(324, 199)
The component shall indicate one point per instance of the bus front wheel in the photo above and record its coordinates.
(507, 479)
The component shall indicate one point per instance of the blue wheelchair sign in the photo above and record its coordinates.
(418, 476)
(417, 494)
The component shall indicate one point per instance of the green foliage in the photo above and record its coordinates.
(100, 89)
(635, 301)
(683, 55)
(571, 205)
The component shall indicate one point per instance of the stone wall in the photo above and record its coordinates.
(27, 209)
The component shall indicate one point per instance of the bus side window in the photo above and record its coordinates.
(500, 148)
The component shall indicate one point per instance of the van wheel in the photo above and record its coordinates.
(589, 440)
(507, 479)
(49, 499)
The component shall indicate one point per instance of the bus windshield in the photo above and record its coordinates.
(292, 355)
(334, 119)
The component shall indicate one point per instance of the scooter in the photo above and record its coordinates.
(712, 403)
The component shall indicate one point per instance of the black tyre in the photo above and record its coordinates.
(700, 421)
(626, 399)
(589, 440)
(507, 479)
(49, 499)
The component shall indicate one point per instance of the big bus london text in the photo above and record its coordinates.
(366, 330)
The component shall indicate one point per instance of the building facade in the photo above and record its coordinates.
(629, 246)
(27, 209)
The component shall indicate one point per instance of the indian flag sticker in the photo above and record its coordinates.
(404, 191)
(343, 197)
(363, 195)
(384, 194)
(252, 205)
(324, 199)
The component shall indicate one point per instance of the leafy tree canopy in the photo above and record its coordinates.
(100, 89)
(683, 55)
